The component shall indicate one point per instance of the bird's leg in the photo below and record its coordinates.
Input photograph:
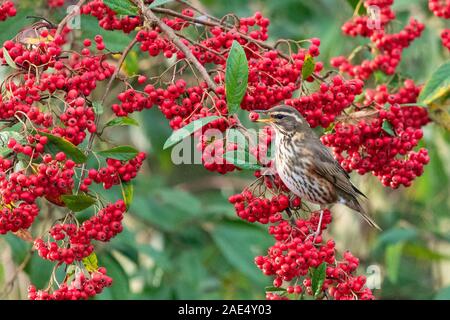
(319, 225)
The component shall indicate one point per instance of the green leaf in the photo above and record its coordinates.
(121, 285)
(91, 262)
(423, 253)
(123, 153)
(393, 256)
(123, 7)
(396, 235)
(318, 278)
(387, 127)
(5, 136)
(437, 86)
(236, 77)
(18, 246)
(186, 202)
(131, 64)
(187, 130)
(78, 202)
(122, 121)
(98, 107)
(355, 3)
(127, 193)
(158, 3)
(114, 41)
(274, 289)
(56, 144)
(239, 243)
(9, 60)
(308, 66)
(242, 160)
(4, 152)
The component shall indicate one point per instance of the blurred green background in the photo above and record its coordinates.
(182, 239)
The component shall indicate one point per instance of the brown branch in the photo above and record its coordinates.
(170, 33)
(124, 55)
(199, 44)
(217, 24)
(69, 16)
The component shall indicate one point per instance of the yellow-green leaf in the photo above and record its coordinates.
(91, 262)
(308, 66)
(127, 193)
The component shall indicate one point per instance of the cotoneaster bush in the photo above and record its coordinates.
(54, 124)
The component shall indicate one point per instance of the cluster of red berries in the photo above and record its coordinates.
(107, 18)
(259, 209)
(115, 172)
(7, 9)
(213, 154)
(13, 218)
(273, 79)
(77, 78)
(35, 168)
(261, 151)
(151, 42)
(381, 95)
(33, 148)
(82, 286)
(389, 47)
(77, 118)
(321, 107)
(52, 178)
(102, 227)
(445, 38)
(365, 26)
(367, 146)
(440, 8)
(298, 250)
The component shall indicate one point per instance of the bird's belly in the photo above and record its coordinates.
(296, 176)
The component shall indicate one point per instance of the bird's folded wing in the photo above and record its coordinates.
(327, 167)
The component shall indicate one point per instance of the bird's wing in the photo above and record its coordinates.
(327, 167)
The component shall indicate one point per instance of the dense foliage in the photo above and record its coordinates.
(70, 89)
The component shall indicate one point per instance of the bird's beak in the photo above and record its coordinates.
(265, 120)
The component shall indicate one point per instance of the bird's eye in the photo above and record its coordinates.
(278, 116)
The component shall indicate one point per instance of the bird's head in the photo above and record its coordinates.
(285, 119)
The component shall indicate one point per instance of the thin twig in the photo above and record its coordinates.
(67, 18)
(217, 24)
(170, 33)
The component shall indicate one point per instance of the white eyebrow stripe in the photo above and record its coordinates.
(286, 114)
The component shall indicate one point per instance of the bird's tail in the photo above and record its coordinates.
(353, 203)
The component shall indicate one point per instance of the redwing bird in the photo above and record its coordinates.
(306, 166)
